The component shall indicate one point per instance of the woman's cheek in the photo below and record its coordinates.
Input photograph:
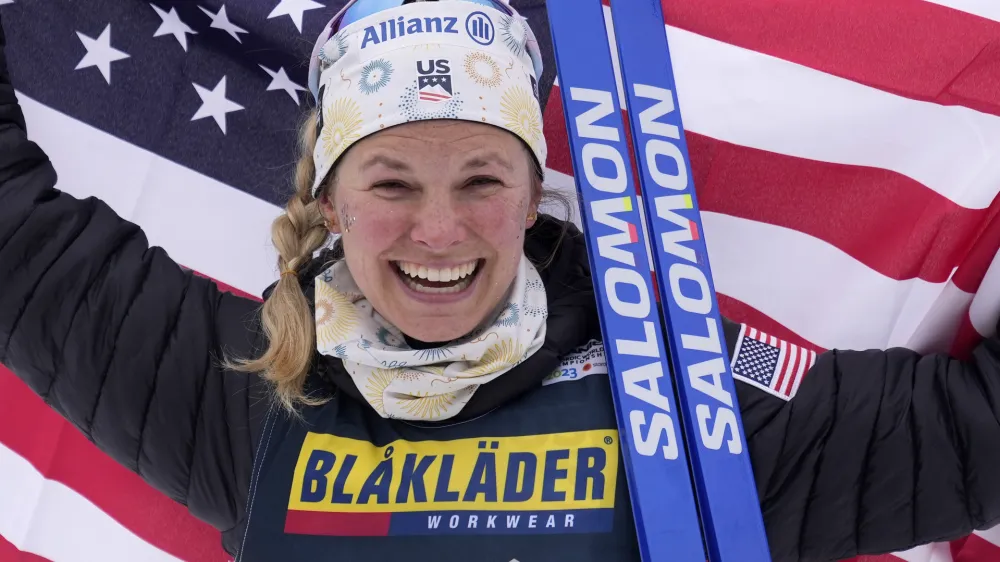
(370, 222)
(500, 220)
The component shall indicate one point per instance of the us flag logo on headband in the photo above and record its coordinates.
(434, 81)
(769, 363)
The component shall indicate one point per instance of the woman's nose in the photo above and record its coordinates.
(438, 225)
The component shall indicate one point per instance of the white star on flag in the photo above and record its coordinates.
(294, 10)
(281, 81)
(100, 53)
(221, 21)
(214, 104)
(172, 25)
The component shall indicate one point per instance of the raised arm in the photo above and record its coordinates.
(117, 337)
(879, 451)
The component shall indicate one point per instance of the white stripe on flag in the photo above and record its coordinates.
(202, 223)
(49, 519)
(565, 185)
(933, 330)
(795, 278)
(799, 111)
(989, 9)
(991, 535)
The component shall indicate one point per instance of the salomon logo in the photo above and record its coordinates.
(688, 282)
(479, 26)
(636, 343)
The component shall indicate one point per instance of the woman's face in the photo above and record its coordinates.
(433, 215)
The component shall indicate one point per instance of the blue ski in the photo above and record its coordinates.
(654, 456)
(726, 491)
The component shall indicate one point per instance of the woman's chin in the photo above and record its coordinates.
(436, 329)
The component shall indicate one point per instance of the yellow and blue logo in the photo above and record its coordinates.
(552, 483)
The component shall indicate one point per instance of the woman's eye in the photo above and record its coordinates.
(483, 180)
(389, 185)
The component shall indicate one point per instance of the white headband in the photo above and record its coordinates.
(425, 60)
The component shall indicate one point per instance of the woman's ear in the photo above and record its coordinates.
(534, 202)
(532, 216)
(329, 214)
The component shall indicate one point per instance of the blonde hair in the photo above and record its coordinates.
(286, 315)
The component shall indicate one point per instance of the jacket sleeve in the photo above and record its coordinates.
(877, 452)
(119, 339)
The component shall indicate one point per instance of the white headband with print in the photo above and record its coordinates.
(425, 60)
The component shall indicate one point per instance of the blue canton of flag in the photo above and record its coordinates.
(757, 360)
(217, 86)
(769, 363)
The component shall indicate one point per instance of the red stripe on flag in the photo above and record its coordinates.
(559, 156)
(977, 261)
(10, 553)
(695, 235)
(966, 338)
(976, 549)
(843, 205)
(337, 524)
(846, 206)
(919, 50)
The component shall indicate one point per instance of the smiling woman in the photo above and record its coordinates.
(431, 386)
(432, 216)
(455, 195)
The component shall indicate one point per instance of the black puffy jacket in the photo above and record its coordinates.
(879, 450)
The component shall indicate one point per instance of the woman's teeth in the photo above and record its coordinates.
(437, 274)
(460, 275)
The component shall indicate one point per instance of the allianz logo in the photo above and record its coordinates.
(478, 26)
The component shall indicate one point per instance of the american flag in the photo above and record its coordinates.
(845, 154)
(769, 363)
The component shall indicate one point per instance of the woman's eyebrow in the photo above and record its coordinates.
(484, 160)
(387, 161)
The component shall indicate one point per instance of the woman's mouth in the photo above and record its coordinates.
(437, 280)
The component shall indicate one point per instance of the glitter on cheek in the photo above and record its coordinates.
(347, 217)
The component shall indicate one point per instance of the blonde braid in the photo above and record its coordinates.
(286, 316)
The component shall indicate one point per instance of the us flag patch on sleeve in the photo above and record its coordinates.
(769, 363)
